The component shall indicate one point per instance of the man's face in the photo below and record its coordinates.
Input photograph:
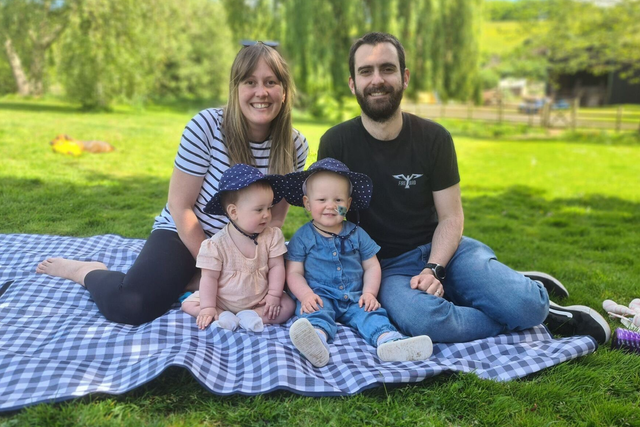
(379, 83)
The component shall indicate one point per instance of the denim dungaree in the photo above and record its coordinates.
(337, 278)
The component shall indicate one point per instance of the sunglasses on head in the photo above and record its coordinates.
(247, 43)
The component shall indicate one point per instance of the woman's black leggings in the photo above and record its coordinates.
(153, 283)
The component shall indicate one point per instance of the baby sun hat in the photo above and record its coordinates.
(361, 185)
(240, 176)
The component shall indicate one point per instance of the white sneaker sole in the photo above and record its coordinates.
(416, 348)
(306, 339)
(584, 309)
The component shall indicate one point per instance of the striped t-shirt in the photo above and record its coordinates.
(202, 152)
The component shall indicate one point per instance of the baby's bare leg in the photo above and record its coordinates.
(191, 307)
(68, 268)
(287, 308)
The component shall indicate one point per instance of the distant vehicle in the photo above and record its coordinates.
(560, 104)
(533, 106)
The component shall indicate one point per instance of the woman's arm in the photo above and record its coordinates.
(183, 193)
(279, 213)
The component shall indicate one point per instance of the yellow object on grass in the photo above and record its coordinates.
(66, 145)
(71, 148)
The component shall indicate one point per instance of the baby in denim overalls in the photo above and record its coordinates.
(333, 271)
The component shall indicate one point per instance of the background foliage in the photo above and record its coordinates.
(108, 50)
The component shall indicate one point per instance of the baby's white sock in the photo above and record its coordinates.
(250, 320)
(227, 320)
(389, 336)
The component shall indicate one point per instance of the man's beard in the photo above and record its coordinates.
(379, 110)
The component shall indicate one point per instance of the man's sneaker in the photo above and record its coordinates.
(577, 320)
(551, 284)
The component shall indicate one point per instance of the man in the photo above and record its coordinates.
(434, 281)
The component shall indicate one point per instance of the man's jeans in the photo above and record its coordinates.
(482, 296)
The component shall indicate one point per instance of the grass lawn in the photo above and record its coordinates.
(568, 208)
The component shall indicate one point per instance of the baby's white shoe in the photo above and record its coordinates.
(406, 349)
(308, 342)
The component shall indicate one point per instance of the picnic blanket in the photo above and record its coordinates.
(55, 345)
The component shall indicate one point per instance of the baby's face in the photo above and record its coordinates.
(326, 191)
(253, 209)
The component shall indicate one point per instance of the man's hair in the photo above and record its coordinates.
(375, 39)
(282, 156)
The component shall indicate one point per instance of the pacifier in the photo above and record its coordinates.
(342, 210)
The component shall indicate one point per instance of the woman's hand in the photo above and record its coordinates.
(206, 316)
(369, 302)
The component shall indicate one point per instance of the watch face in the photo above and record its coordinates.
(439, 272)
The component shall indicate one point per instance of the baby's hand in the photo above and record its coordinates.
(369, 301)
(206, 316)
(272, 306)
(310, 303)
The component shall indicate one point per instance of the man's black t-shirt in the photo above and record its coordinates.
(405, 171)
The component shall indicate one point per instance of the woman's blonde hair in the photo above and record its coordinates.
(282, 157)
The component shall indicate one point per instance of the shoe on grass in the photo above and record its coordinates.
(577, 320)
(550, 283)
(308, 342)
(406, 349)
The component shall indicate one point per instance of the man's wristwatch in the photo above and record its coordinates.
(438, 270)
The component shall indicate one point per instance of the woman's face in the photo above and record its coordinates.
(261, 96)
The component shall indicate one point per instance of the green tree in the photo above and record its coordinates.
(440, 38)
(28, 29)
(586, 36)
(108, 52)
(136, 50)
(455, 52)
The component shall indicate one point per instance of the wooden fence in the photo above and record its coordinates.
(614, 118)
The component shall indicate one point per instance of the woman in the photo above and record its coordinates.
(254, 128)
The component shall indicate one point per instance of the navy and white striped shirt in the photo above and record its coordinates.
(202, 152)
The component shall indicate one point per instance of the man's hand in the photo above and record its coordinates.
(369, 302)
(427, 282)
(271, 306)
(310, 303)
(206, 316)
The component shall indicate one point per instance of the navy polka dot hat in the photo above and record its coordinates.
(240, 176)
(361, 185)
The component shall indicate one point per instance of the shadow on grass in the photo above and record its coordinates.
(124, 206)
(591, 243)
(37, 107)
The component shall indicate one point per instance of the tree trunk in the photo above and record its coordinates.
(37, 71)
(24, 88)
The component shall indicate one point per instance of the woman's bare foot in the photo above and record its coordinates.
(68, 268)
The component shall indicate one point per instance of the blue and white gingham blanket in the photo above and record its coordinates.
(55, 345)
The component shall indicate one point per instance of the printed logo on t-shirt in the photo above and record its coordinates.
(407, 181)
